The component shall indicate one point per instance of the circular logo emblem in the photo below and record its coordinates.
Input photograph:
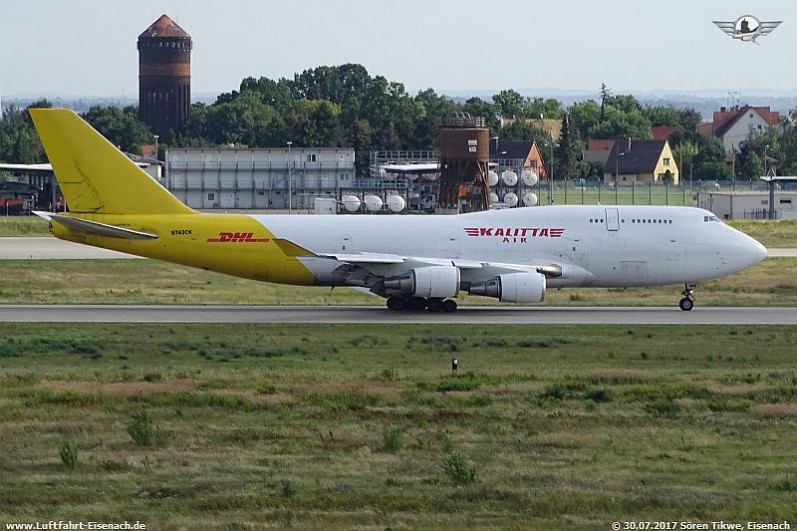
(746, 25)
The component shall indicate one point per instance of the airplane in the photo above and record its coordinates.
(414, 262)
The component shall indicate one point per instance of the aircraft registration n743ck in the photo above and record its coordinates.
(415, 262)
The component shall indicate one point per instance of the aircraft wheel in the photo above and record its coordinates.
(449, 306)
(395, 303)
(434, 305)
(686, 304)
(416, 304)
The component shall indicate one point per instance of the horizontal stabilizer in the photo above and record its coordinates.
(93, 227)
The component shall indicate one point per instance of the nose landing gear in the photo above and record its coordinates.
(688, 302)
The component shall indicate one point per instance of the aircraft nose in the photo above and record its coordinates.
(758, 251)
(761, 251)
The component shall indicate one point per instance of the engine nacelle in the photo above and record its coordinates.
(427, 282)
(514, 287)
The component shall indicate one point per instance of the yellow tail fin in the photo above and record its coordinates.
(95, 176)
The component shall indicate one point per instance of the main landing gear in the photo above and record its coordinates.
(416, 304)
(688, 302)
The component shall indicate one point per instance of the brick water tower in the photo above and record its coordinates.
(464, 161)
(164, 77)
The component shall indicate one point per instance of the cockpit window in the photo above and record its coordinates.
(710, 219)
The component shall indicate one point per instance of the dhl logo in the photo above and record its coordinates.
(237, 237)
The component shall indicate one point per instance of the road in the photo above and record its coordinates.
(49, 248)
(532, 316)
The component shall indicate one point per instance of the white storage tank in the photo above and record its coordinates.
(493, 197)
(509, 177)
(351, 203)
(492, 178)
(511, 198)
(530, 199)
(373, 203)
(528, 177)
(396, 203)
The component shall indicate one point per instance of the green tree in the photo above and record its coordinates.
(619, 124)
(569, 152)
(542, 108)
(120, 126)
(684, 154)
(689, 119)
(510, 103)
(316, 123)
(662, 116)
(585, 115)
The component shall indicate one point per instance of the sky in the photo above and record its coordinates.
(87, 48)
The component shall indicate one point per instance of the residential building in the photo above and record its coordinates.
(634, 161)
(598, 150)
(517, 155)
(732, 126)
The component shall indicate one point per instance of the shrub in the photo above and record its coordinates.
(68, 452)
(392, 439)
(557, 391)
(288, 488)
(663, 409)
(458, 470)
(143, 430)
(463, 382)
(600, 394)
(479, 400)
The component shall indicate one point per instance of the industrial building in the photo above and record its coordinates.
(748, 204)
(269, 178)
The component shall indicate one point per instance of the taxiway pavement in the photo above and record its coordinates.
(531, 316)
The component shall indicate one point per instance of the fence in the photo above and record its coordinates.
(571, 193)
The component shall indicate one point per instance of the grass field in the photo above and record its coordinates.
(333, 427)
(771, 283)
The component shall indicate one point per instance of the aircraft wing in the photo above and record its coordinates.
(371, 269)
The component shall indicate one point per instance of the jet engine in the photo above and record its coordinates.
(428, 282)
(513, 287)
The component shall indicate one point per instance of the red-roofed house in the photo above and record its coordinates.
(664, 132)
(735, 125)
(597, 150)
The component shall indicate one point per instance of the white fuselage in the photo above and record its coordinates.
(593, 245)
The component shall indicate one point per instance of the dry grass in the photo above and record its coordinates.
(770, 283)
(776, 411)
(578, 434)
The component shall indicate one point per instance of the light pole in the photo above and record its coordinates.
(156, 147)
(290, 179)
(766, 148)
(550, 180)
(550, 173)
